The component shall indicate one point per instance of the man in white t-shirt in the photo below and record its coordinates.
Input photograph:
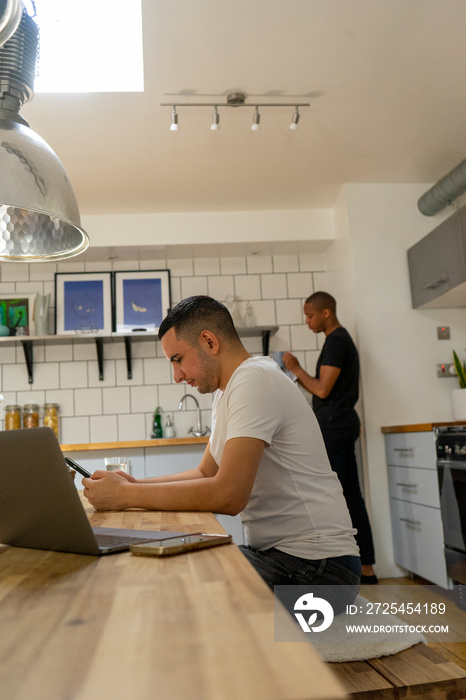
(265, 460)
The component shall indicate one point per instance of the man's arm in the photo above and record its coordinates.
(322, 386)
(222, 490)
(208, 467)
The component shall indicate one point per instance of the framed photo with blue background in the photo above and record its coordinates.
(142, 300)
(83, 303)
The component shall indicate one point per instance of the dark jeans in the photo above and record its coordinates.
(341, 574)
(339, 443)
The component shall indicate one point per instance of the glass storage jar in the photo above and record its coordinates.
(51, 419)
(31, 415)
(12, 417)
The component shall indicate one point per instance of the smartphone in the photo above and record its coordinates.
(178, 545)
(74, 465)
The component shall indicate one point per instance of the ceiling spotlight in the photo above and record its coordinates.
(256, 120)
(215, 126)
(235, 100)
(174, 125)
(295, 120)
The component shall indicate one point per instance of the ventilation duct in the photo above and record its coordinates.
(39, 215)
(444, 192)
(10, 17)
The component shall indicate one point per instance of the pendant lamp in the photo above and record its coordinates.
(39, 215)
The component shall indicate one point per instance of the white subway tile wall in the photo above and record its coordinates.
(120, 409)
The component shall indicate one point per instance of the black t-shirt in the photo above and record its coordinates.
(337, 410)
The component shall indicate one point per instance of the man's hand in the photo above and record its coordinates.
(291, 362)
(107, 490)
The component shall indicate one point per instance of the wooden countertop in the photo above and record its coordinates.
(199, 625)
(417, 427)
(162, 442)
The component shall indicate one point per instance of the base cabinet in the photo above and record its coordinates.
(415, 506)
(418, 540)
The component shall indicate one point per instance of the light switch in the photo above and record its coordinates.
(443, 332)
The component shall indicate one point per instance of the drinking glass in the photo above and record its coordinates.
(114, 464)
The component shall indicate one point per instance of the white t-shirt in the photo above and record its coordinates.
(297, 503)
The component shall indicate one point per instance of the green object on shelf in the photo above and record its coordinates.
(157, 424)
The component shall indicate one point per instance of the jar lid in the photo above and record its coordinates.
(12, 407)
(31, 407)
(50, 405)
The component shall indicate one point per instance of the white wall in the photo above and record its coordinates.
(398, 345)
(210, 227)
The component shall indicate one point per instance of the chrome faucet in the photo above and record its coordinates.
(198, 431)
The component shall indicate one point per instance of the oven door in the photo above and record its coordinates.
(452, 487)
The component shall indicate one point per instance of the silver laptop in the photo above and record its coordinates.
(40, 506)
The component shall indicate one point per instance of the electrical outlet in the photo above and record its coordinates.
(443, 332)
(446, 370)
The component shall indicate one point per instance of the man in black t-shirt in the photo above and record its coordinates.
(335, 390)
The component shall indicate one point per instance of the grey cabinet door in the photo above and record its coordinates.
(437, 266)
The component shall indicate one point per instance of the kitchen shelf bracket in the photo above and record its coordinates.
(265, 342)
(129, 368)
(28, 349)
(100, 356)
(263, 331)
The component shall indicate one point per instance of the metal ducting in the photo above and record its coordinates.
(39, 215)
(444, 192)
(10, 17)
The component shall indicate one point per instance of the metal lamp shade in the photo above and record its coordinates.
(39, 215)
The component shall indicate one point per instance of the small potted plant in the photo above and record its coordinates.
(458, 396)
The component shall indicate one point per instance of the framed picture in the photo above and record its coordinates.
(16, 314)
(83, 303)
(142, 299)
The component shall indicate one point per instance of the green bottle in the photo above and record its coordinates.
(157, 424)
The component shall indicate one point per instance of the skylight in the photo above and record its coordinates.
(90, 46)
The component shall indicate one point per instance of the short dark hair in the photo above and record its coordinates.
(321, 301)
(199, 313)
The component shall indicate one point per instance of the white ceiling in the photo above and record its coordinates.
(386, 80)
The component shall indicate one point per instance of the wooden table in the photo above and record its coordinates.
(197, 626)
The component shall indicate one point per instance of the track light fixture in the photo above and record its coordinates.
(295, 119)
(234, 99)
(256, 120)
(174, 125)
(215, 126)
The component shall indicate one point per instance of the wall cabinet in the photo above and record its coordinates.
(437, 265)
(415, 505)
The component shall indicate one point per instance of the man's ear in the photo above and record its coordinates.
(209, 341)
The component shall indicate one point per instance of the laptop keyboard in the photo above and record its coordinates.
(121, 540)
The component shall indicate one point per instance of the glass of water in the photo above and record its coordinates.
(114, 464)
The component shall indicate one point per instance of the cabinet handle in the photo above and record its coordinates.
(436, 283)
(406, 451)
(411, 522)
(408, 486)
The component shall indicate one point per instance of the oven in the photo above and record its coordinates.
(451, 470)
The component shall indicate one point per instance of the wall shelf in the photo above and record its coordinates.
(29, 341)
